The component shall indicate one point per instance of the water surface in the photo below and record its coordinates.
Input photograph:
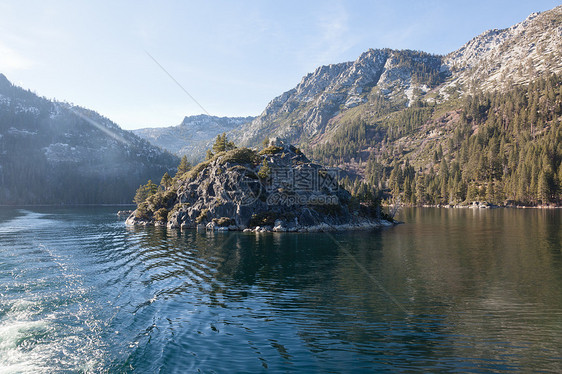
(450, 290)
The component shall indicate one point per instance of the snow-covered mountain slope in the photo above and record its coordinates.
(516, 55)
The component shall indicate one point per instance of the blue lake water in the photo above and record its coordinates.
(450, 290)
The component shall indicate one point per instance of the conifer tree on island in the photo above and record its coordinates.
(222, 144)
(184, 166)
(144, 191)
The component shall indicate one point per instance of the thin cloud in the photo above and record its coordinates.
(333, 36)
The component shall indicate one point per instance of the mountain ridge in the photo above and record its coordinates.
(405, 76)
(332, 88)
(512, 55)
(306, 113)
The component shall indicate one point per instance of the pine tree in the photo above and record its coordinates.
(183, 167)
(444, 192)
(145, 191)
(222, 144)
(407, 189)
(166, 181)
(219, 146)
(420, 189)
(544, 186)
(265, 170)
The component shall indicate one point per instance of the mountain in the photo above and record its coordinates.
(304, 113)
(494, 59)
(53, 152)
(193, 136)
(392, 118)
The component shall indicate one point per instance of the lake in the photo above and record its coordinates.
(471, 290)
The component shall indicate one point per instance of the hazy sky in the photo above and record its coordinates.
(233, 57)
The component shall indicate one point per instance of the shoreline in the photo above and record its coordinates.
(63, 205)
(481, 206)
(362, 225)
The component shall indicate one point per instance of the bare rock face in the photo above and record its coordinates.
(304, 112)
(277, 189)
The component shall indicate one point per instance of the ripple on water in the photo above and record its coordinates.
(46, 318)
(84, 293)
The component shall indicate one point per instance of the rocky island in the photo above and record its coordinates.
(275, 189)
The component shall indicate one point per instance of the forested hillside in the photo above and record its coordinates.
(53, 153)
(497, 146)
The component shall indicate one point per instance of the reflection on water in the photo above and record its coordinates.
(482, 290)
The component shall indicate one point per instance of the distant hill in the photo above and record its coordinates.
(193, 136)
(53, 153)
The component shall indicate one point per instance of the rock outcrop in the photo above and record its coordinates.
(276, 189)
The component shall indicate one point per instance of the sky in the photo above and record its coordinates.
(151, 63)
